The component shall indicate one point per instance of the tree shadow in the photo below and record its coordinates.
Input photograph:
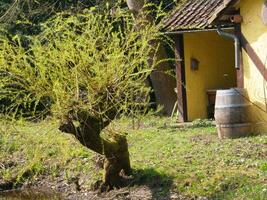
(159, 184)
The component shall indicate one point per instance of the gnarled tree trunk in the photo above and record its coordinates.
(115, 148)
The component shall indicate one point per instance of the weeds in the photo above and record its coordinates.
(198, 123)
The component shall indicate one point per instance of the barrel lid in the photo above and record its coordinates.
(231, 91)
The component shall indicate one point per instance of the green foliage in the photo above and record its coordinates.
(91, 62)
(198, 123)
(25, 16)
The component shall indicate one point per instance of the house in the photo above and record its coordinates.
(219, 44)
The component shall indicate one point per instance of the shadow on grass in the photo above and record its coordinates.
(160, 185)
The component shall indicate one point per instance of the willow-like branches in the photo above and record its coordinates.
(77, 64)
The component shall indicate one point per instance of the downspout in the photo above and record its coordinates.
(237, 44)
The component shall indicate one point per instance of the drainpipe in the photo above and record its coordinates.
(237, 44)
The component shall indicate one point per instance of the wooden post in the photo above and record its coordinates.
(180, 77)
(253, 56)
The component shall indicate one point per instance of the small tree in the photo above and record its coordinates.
(86, 69)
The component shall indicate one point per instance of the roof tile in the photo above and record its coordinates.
(192, 14)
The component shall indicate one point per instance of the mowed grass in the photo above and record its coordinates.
(188, 160)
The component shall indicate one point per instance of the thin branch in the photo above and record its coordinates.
(9, 10)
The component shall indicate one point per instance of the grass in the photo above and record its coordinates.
(31, 150)
(187, 160)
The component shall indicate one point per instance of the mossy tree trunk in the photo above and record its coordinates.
(115, 148)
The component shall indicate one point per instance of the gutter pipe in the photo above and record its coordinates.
(196, 30)
(237, 44)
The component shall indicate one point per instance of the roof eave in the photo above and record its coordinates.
(219, 12)
(181, 31)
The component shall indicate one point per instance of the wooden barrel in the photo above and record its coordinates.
(231, 106)
(232, 113)
(233, 131)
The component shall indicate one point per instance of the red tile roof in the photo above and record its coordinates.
(194, 14)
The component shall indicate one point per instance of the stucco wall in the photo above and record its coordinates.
(216, 69)
(255, 32)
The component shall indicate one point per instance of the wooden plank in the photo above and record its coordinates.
(253, 56)
(180, 77)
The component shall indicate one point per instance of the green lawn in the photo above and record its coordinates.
(188, 160)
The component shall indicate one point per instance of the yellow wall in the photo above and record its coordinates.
(216, 57)
(256, 33)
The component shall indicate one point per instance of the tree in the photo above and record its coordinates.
(85, 66)
(86, 69)
(25, 16)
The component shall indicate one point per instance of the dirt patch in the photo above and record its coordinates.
(29, 194)
(252, 150)
(145, 184)
(63, 191)
(130, 193)
(46, 188)
(206, 139)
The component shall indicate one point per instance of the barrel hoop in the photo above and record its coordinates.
(231, 91)
(233, 125)
(233, 106)
(230, 94)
